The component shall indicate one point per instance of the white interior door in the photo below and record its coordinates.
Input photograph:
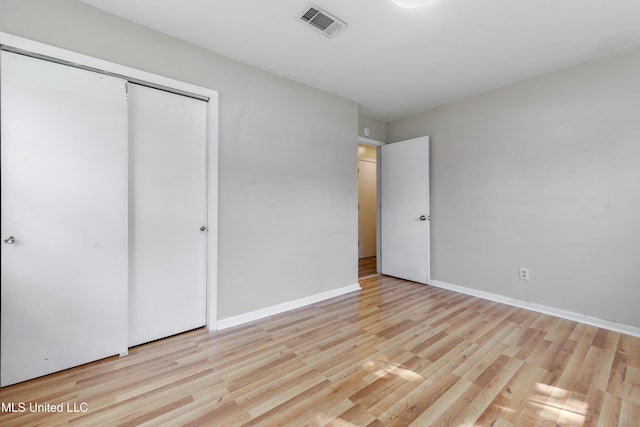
(64, 217)
(367, 209)
(168, 136)
(404, 209)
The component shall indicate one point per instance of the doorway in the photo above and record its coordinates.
(394, 179)
(367, 210)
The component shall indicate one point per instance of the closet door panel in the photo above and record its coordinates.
(168, 199)
(64, 217)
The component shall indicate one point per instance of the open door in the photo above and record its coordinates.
(404, 210)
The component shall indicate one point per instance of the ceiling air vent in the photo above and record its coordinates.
(322, 21)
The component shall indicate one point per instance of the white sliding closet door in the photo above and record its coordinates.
(64, 217)
(168, 137)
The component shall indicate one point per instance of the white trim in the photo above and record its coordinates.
(378, 211)
(251, 316)
(369, 141)
(569, 315)
(212, 214)
(367, 161)
(89, 61)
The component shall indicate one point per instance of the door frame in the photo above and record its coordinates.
(56, 54)
(377, 144)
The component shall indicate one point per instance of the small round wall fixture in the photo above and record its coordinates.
(366, 131)
(411, 4)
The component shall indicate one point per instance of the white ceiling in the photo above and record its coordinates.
(395, 62)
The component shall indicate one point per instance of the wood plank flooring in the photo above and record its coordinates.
(367, 266)
(394, 354)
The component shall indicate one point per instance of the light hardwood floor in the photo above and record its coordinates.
(367, 266)
(395, 353)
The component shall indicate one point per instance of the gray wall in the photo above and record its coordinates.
(542, 174)
(377, 128)
(288, 183)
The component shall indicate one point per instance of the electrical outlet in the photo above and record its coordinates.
(524, 273)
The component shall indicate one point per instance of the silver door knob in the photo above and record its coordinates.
(10, 240)
(423, 218)
(203, 228)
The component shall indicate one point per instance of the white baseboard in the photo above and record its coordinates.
(285, 306)
(577, 317)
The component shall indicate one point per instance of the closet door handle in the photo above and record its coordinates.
(10, 240)
(203, 228)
